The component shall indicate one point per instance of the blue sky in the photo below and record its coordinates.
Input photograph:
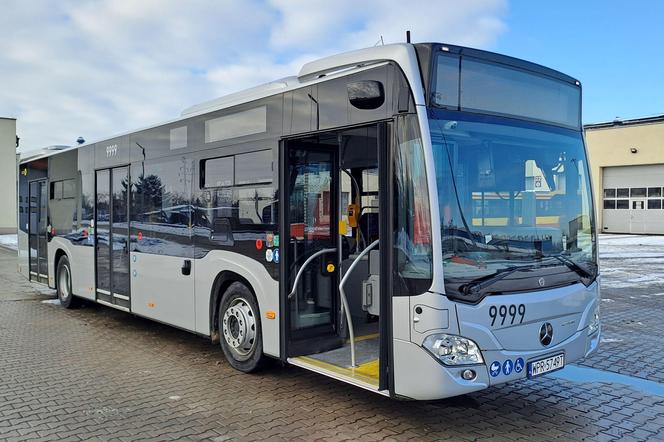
(615, 48)
(94, 68)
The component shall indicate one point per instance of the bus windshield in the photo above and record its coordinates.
(514, 199)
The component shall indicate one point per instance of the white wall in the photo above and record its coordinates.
(7, 175)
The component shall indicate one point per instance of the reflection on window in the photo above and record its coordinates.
(238, 170)
(218, 172)
(161, 207)
(412, 240)
(253, 168)
(508, 193)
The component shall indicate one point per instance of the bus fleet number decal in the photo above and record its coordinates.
(511, 313)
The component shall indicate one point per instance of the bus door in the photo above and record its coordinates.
(38, 236)
(310, 247)
(112, 236)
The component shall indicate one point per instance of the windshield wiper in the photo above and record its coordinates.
(477, 285)
(570, 263)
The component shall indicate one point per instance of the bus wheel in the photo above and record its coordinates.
(240, 328)
(63, 284)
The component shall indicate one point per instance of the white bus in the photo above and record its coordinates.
(413, 219)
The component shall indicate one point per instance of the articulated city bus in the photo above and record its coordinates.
(413, 219)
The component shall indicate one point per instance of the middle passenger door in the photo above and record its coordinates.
(162, 277)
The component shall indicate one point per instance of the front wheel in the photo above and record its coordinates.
(240, 328)
(63, 284)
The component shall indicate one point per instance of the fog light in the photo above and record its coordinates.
(468, 374)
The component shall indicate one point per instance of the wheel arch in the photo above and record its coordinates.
(59, 253)
(222, 281)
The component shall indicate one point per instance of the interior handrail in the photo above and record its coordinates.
(344, 301)
(304, 265)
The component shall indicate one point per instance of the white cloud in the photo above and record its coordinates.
(99, 67)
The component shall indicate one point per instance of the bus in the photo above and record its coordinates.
(413, 219)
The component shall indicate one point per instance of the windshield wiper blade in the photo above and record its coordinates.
(477, 285)
(570, 263)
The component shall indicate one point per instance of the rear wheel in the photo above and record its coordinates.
(240, 328)
(63, 284)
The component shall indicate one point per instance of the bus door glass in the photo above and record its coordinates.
(38, 231)
(112, 239)
(312, 239)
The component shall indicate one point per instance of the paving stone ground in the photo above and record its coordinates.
(99, 374)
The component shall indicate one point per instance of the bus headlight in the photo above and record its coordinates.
(594, 322)
(453, 350)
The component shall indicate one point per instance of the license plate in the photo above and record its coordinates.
(546, 365)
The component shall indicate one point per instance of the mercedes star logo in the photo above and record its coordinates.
(546, 333)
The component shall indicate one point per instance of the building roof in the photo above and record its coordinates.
(629, 122)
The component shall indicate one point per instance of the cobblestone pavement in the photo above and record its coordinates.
(97, 373)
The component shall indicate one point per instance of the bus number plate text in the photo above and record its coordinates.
(547, 365)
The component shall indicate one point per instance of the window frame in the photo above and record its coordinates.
(234, 182)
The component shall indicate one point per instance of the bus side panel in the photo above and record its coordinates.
(264, 286)
(160, 290)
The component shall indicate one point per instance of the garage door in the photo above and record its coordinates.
(632, 199)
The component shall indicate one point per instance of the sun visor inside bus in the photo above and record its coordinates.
(366, 94)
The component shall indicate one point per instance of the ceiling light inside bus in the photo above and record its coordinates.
(453, 350)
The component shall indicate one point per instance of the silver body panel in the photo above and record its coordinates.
(160, 291)
(418, 375)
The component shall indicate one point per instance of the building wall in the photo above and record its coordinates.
(610, 146)
(7, 175)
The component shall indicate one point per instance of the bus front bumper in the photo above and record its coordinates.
(418, 375)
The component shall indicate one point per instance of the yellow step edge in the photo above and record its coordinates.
(367, 372)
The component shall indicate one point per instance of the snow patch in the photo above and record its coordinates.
(610, 340)
(55, 301)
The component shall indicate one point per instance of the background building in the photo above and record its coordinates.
(7, 175)
(627, 164)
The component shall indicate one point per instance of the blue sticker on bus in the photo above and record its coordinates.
(494, 369)
(518, 365)
(507, 367)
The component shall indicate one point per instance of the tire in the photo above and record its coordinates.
(63, 284)
(240, 331)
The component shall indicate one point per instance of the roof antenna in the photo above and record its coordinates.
(407, 36)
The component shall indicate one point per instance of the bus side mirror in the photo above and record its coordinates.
(366, 94)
